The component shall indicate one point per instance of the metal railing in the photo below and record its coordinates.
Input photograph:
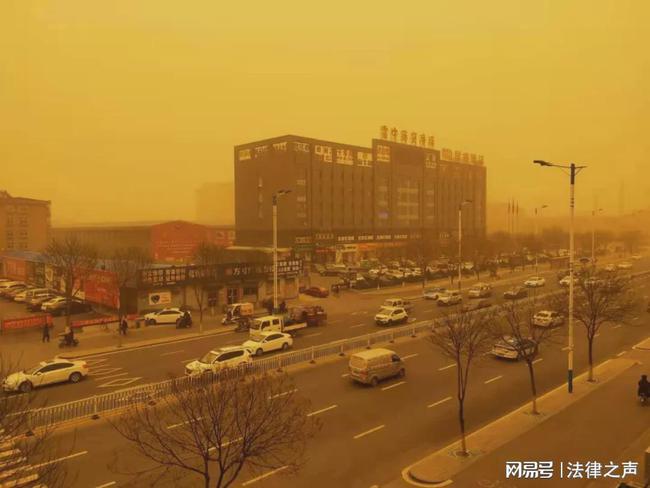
(94, 407)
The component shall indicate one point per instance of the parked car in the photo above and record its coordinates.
(8, 286)
(635, 257)
(14, 292)
(535, 282)
(566, 281)
(334, 269)
(263, 342)
(27, 294)
(218, 359)
(371, 366)
(479, 290)
(516, 293)
(58, 306)
(35, 302)
(164, 316)
(624, 265)
(317, 291)
(433, 293)
(395, 274)
(548, 318)
(511, 348)
(450, 297)
(477, 305)
(318, 268)
(46, 373)
(391, 315)
(611, 268)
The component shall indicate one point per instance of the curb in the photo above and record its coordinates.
(145, 344)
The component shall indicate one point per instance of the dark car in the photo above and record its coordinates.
(515, 293)
(317, 291)
(34, 304)
(477, 304)
(76, 306)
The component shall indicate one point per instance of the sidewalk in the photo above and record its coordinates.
(600, 422)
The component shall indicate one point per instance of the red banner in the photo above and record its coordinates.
(15, 268)
(96, 321)
(100, 287)
(26, 322)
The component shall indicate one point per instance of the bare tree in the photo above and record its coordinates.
(31, 456)
(126, 263)
(205, 255)
(74, 260)
(464, 337)
(600, 299)
(208, 435)
(422, 252)
(520, 333)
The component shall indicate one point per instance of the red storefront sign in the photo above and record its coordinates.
(15, 268)
(99, 320)
(101, 287)
(26, 322)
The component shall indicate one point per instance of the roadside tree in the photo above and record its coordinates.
(205, 255)
(464, 337)
(207, 435)
(74, 260)
(126, 263)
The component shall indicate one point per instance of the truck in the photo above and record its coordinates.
(295, 319)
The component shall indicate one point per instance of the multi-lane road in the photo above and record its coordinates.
(369, 434)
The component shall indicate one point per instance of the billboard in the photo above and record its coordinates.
(175, 242)
(101, 287)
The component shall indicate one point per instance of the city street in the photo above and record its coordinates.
(397, 422)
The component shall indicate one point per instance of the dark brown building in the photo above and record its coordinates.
(347, 202)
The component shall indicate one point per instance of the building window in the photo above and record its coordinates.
(250, 290)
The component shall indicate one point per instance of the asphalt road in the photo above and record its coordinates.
(370, 434)
(132, 367)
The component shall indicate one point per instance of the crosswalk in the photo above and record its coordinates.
(106, 375)
(15, 471)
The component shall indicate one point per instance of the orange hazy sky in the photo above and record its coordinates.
(120, 110)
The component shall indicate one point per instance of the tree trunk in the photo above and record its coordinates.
(590, 341)
(461, 422)
(533, 387)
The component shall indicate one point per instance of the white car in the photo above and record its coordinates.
(535, 282)
(164, 316)
(635, 257)
(610, 267)
(450, 298)
(511, 348)
(624, 265)
(548, 318)
(46, 373)
(263, 342)
(479, 290)
(566, 281)
(52, 304)
(391, 315)
(433, 293)
(395, 273)
(215, 361)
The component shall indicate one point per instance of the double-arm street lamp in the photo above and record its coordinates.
(535, 233)
(460, 239)
(573, 171)
(276, 195)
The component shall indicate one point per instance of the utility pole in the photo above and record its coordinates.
(460, 240)
(275, 247)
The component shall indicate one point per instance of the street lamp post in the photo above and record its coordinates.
(460, 239)
(277, 194)
(593, 236)
(535, 234)
(573, 171)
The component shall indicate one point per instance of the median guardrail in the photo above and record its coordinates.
(98, 405)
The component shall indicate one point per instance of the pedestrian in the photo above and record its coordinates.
(124, 325)
(46, 330)
(283, 307)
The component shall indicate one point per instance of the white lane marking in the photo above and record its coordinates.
(265, 475)
(355, 326)
(439, 402)
(284, 393)
(453, 365)
(617, 326)
(620, 354)
(410, 356)
(173, 426)
(119, 382)
(493, 379)
(345, 375)
(374, 429)
(596, 335)
(102, 378)
(90, 362)
(313, 335)
(64, 458)
(105, 370)
(393, 386)
(172, 353)
(316, 412)
(106, 485)
(565, 348)
(184, 361)
(538, 360)
(226, 444)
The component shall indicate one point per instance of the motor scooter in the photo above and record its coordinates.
(65, 341)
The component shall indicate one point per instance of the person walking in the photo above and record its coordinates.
(124, 325)
(46, 331)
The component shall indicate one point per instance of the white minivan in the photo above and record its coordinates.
(371, 366)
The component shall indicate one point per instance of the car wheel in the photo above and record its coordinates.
(285, 346)
(75, 378)
(26, 387)
(153, 322)
(259, 352)
(374, 381)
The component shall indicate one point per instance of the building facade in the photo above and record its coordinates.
(24, 223)
(350, 202)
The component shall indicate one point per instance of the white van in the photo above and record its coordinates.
(371, 366)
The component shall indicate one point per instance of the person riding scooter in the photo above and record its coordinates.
(66, 339)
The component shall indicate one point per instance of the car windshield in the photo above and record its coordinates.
(33, 369)
(256, 338)
(208, 358)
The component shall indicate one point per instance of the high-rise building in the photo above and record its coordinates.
(347, 202)
(24, 223)
(215, 203)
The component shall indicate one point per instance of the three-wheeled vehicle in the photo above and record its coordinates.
(235, 312)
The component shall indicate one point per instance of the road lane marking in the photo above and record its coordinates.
(355, 326)
(617, 326)
(566, 348)
(90, 362)
(64, 458)
(104, 371)
(345, 375)
(620, 354)
(439, 402)
(284, 393)
(119, 382)
(596, 335)
(538, 360)
(493, 379)
(102, 378)
(106, 485)
(367, 432)
(226, 444)
(265, 475)
(453, 365)
(172, 353)
(410, 356)
(393, 386)
(313, 335)
(189, 360)
(173, 426)
(316, 412)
